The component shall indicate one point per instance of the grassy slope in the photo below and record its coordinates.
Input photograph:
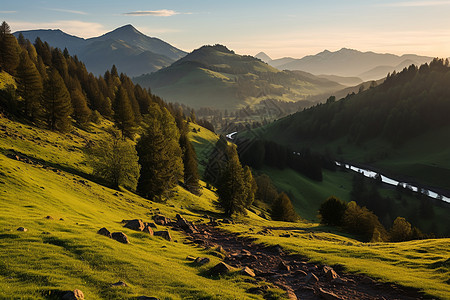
(56, 254)
(203, 142)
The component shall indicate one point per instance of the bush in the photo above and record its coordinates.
(332, 211)
(361, 221)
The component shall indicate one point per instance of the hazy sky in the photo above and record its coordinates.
(278, 27)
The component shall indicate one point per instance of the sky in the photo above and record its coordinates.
(280, 28)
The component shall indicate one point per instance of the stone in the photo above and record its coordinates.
(49, 217)
(151, 224)
(120, 237)
(73, 295)
(220, 269)
(190, 258)
(186, 225)
(146, 298)
(201, 261)
(285, 235)
(148, 229)
(119, 283)
(300, 273)
(161, 220)
(104, 231)
(331, 274)
(135, 224)
(327, 295)
(248, 272)
(311, 278)
(22, 229)
(291, 295)
(283, 267)
(165, 234)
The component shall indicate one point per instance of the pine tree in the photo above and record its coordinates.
(81, 111)
(56, 100)
(250, 186)
(159, 155)
(30, 86)
(191, 176)
(231, 187)
(123, 113)
(283, 210)
(9, 49)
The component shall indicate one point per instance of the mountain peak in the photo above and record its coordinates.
(263, 56)
(126, 30)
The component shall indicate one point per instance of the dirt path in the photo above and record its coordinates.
(293, 273)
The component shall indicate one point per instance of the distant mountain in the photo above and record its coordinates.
(347, 81)
(349, 62)
(131, 51)
(264, 57)
(214, 76)
(281, 61)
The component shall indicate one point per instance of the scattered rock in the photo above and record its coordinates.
(165, 234)
(119, 283)
(22, 229)
(120, 237)
(300, 273)
(146, 298)
(248, 272)
(286, 235)
(148, 230)
(151, 224)
(161, 220)
(49, 217)
(135, 224)
(327, 295)
(311, 278)
(73, 295)
(283, 267)
(61, 219)
(190, 258)
(220, 269)
(331, 275)
(201, 261)
(186, 225)
(104, 231)
(291, 295)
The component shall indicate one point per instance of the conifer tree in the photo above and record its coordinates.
(9, 49)
(57, 104)
(29, 86)
(283, 210)
(123, 113)
(191, 176)
(159, 155)
(81, 111)
(231, 187)
(250, 186)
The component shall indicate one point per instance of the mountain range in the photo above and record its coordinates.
(347, 63)
(133, 52)
(214, 76)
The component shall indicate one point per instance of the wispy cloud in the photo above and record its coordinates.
(7, 11)
(157, 13)
(73, 27)
(77, 12)
(416, 4)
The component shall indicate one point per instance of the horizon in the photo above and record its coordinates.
(283, 29)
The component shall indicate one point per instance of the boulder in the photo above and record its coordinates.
(331, 274)
(161, 220)
(165, 234)
(120, 237)
(135, 224)
(104, 231)
(186, 225)
(200, 261)
(22, 229)
(49, 217)
(220, 269)
(73, 295)
(248, 272)
(311, 278)
(148, 230)
(119, 283)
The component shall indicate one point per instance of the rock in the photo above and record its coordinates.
(283, 267)
(120, 237)
(248, 272)
(190, 258)
(186, 225)
(220, 269)
(286, 235)
(22, 229)
(277, 249)
(311, 278)
(201, 261)
(73, 295)
(221, 250)
(331, 275)
(161, 220)
(227, 221)
(151, 224)
(49, 217)
(61, 219)
(135, 224)
(327, 295)
(148, 229)
(291, 295)
(104, 231)
(119, 283)
(165, 234)
(300, 273)
(146, 298)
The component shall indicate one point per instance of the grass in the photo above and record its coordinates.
(6, 79)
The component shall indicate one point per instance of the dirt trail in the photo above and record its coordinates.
(293, 273)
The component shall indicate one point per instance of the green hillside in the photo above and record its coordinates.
(213, 76)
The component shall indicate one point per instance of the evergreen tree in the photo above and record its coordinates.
(217, 161)
(116, 161)
(9, 49)
(250, 186)
(231, 187)
(81, 111)
(266, 191)
(29, 86)
(159, 155)
(191, 176)
(56, 100)
(401, 230)
(283, 210)
(332, 211)
(123, 113)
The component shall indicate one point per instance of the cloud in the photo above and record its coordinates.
(157, 13)
(78, 12)
(416, 4)
(7, 11)
(73, 27)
